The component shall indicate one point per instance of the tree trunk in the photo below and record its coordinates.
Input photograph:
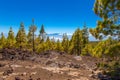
(80, 51)
(33, 43)
(20, 45)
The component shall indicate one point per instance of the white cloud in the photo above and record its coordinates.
(57, 36)
(90, 34)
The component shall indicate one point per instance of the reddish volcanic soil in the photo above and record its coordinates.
(51, 65)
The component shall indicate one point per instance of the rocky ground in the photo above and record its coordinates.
(18, 64)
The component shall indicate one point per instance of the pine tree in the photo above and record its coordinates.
(29, 39)
(59, 46)
(65, 43)
(37, 41)
(76, 43)
(48, 44)
(11, 39)
(85, 35)
(53, 46)
(104, 48)
(21, 38)
(33, 28)
(42, 33)
(108, 10)
(2, 41)
(85, 39)
(41, 47)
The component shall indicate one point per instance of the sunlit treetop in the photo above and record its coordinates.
(109, 11)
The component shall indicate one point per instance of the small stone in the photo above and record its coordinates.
(17, 78)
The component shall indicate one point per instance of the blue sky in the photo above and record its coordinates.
(58, 16)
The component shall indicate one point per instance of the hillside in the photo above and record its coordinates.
(50, 65)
